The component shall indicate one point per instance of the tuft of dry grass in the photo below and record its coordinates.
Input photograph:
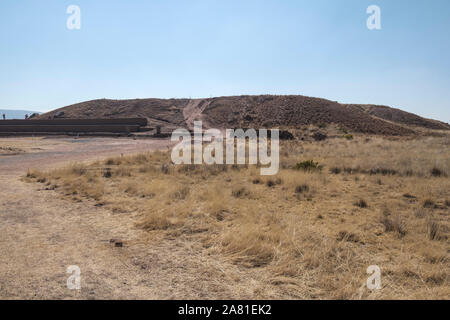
(434, 230)
(396, 224)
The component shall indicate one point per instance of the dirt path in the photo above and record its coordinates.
(193, 111)
(41, 234)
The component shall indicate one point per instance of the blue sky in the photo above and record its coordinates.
(204, 48)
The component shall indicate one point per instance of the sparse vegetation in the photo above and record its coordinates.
(308, 165)
(318, 248)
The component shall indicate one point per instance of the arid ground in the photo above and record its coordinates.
(42, 233)
(209, 232)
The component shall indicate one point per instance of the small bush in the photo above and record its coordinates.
(78, 169)
(335, 170)
(434, 229)
(420, 213)
(301, 188)
(343, 129)
(319, 136)
(240, 192)
(349, 170)
(31, 174)
(257, 181)
(286, 135)
(113, 161)
(397, 224)
(347, 236)
(383, 171)
(361, 203)
(348, 136)
(409, 173)
(437, 278)
(428, 203)
(308, 165)
(273, 182)
(436, 172)
(388, 224)
(181, 193)
(107, 173)
(164, 168)
(270, 183)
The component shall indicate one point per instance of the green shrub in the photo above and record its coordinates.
(348, 136)
(308, 165)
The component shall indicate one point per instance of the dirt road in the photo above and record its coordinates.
(193, 112)
(41, 234)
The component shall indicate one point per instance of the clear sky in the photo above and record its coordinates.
(204, 48)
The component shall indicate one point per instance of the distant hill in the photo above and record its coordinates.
(400, 116)
(16, 114)
(255, 111)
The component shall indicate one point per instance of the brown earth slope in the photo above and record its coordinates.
(164, 112)
(400, 116)
(254, 111)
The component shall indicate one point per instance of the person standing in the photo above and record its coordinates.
(4, 116)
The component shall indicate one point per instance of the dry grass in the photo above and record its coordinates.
(9, 150)
(374, 202)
